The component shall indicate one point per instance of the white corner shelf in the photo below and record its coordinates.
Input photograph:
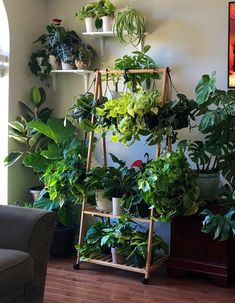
(102, 35)
(81, 72)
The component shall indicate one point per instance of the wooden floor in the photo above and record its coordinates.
(93, 283)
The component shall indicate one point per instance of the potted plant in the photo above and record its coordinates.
(87, 13)
(62, 169)
(139, 247)
(96, 180)
(138, 60)
(105, 11)
(21, 132)
(91, 247)
(213, 155)
(39, 65)
(168, 185)
(118, 238)
(84, 56)
(125, 116)
(129, 23)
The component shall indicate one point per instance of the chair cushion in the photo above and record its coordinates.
(16, 269)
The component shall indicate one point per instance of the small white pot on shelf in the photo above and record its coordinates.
(90, 24)
(117, 207)
(108, 22)
(66, 66)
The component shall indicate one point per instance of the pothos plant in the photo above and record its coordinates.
(168, 185)
(124, 116)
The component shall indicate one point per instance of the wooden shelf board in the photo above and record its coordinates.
(106, 260)
(94, 212)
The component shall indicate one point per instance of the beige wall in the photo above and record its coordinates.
(26, 21)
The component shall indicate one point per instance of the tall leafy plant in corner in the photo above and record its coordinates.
(217, 123)
(20, 131)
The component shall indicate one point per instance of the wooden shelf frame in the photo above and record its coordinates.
(87, 210)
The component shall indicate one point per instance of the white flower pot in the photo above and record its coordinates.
(53, 62)
(66, 66)
(108, 22)
(90, 24)
(117, 207)
(117, 258)
(102, 203)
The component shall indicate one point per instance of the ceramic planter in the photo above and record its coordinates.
(108, 22)
(117, 258)
(102, 203)
(90, 24)
(66, 66)
(35, 191)
(208, 184)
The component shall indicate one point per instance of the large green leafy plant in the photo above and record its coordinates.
(21, 132)
(62, 168)
(125, 116)
(168, 185)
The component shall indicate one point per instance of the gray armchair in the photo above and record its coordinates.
(25, 237)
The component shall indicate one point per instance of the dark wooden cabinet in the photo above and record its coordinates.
(193, 251)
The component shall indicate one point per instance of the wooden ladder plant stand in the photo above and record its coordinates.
(106, 260)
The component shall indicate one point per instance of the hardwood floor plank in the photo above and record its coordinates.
(98, 284)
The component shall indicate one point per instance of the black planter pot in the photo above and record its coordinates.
(138, 260)
(181, 120)
(151, 121)
(63, 241)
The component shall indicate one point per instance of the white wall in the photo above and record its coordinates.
(26, 20)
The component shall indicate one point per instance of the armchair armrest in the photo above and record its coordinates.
(28, 230)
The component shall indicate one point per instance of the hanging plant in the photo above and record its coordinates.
(130, 23)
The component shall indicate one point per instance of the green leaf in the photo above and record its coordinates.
(12, 158)
(205, 86)
(35, 96)
(37, 162)
(86, 125)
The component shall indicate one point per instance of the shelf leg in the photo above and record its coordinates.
(149, 248)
